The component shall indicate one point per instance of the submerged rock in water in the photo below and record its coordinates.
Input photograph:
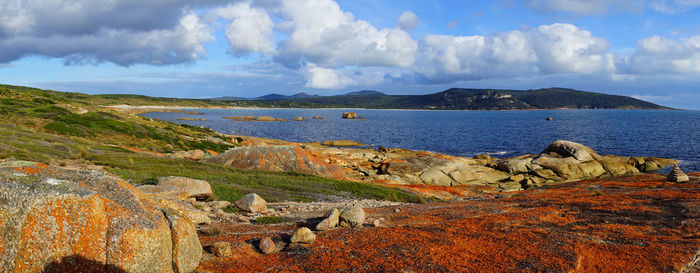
(349, 115)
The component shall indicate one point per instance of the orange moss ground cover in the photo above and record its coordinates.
(628, 224)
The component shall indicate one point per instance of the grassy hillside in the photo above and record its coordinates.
(53, 128)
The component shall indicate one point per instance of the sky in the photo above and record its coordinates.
(647, 49)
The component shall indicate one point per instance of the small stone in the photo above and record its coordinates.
(676, 175)
(549, 119)
(252, 203)
(303, 236)
(267, 246)
(298, 119)
(353, 215)
(397, 210)
(377, 223)
(221, 249)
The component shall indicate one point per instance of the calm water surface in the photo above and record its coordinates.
(674, 134)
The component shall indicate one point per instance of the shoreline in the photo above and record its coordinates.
(161, 107)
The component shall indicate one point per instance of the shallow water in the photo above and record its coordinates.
(674, 134)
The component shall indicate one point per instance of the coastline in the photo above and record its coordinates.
(160, 107)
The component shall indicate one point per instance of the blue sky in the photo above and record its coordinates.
(211, 48)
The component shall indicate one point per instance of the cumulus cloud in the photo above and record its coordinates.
(323, 34)
(408, 21)
(124, 32)
(250, 29)
(557, 48)
(325, 78)
(657, 54)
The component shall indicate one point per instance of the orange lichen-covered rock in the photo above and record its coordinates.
(278, 158)
(628, 224)
(68, 220)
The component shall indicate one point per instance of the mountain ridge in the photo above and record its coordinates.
(467, 99)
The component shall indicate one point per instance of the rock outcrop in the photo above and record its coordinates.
(342, 143)
(51, 215)
(278, 158)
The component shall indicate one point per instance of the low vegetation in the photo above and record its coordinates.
(49, 127)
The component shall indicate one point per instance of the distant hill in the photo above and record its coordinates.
(365, 93)
(466, 99)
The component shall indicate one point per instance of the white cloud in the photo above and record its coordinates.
(183, 43)
(557, 48)
(673, 6)
(658, 55)
(124, 32)
(321, 33)
(250, 29)
(325, 78)
(408, 21)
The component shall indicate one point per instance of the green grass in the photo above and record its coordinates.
(231, 184)
(269, 220)
(44, 126)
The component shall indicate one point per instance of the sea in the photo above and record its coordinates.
(654, 133)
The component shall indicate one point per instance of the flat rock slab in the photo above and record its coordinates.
(628, 224)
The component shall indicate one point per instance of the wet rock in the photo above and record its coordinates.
(317, 117)
(278, 158)
(486, 157)
(221, 249)
(676, 175)
(549, 119)
(299, 119)
(330, 221)
(265, 118)
(267, 246)
(303, 235)
(353, 215)
(252, 203)
(349, 115)
(199, 189)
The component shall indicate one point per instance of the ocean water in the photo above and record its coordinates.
(658, 133)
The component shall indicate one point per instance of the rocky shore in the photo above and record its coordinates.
(560, 210)
(418, 171)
